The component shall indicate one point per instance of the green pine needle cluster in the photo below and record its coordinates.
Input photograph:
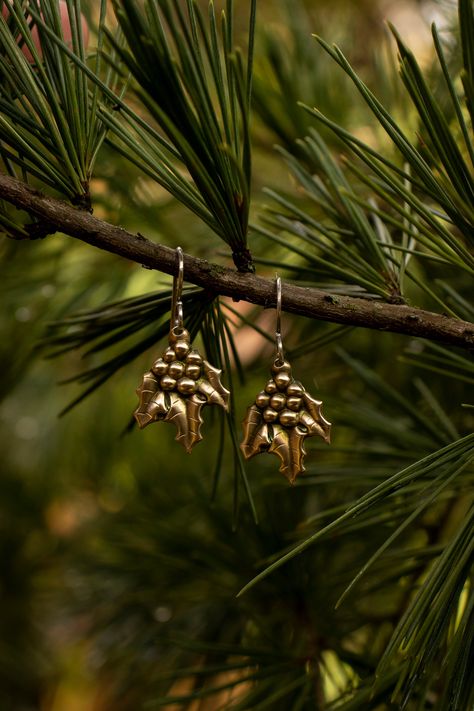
(201, 102)
(50, 126)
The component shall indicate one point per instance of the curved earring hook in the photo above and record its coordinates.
(176, 303)
(279, 341)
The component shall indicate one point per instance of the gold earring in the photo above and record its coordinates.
(181, 382)
(283, 414)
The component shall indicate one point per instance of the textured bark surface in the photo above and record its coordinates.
(312, 303)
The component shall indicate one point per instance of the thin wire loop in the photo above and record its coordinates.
(177, 320)
(279, 341)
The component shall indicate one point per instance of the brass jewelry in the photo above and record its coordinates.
(283, 414)
(181, 382)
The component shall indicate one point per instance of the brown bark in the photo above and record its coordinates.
(309, 302)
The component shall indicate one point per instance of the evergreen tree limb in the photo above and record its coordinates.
(312, 303)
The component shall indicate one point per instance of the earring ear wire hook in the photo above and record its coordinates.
(283, 414)
(177, 319)
(181, 382)
(279, 341)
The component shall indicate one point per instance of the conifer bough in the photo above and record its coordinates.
(66, 29)
(56, 215)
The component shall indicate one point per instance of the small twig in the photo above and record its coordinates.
(309, 302)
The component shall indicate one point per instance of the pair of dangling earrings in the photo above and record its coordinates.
(181, 383)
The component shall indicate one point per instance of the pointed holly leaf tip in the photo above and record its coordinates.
(288, 445)
(316, 423)
(212, 388)
(281, 418)
(256, 435)
(145, 413)
(186, 415)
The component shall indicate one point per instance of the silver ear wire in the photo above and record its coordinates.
(176, 302)
(279, 341)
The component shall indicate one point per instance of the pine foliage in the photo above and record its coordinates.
(356, 587)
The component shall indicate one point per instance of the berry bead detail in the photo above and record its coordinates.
(262, 399)
(278, 401)
(282, 380)
(193, 370)
(167, 382)
(160, 367)
(186, 386)
(169, 355)
(271, 387)
(270, 415)
(288, 418)
(176, 369)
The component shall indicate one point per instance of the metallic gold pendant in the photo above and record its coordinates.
(283, 415)
(181, 382)
(281, 418)
(177, 387)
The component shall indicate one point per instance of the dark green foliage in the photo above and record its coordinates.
(195, 87)
(272, 634)
(50, 126)
(356, 584)
(437, 170)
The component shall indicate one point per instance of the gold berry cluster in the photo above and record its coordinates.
(180, 367)
(281, 401)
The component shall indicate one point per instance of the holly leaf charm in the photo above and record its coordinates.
(316, 423)
(176, 389)
(212, 388)
(281, 418)
(288, 445)
(145, 413)
(256, 435)
(186, 415)
(178, 416)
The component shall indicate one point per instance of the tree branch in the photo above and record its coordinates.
(309, 302)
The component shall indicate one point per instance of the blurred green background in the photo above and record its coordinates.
(117, 560)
